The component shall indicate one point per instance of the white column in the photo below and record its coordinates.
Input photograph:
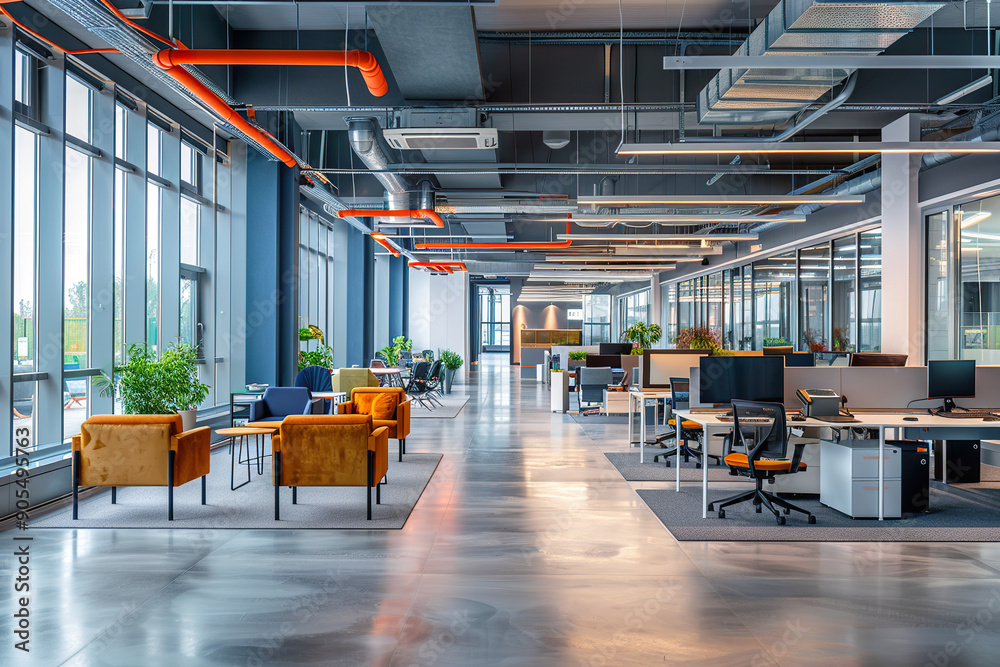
(902, 246)
(655, 316)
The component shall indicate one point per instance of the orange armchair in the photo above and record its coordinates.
(329, 450)
(139, 450)
(388, 406)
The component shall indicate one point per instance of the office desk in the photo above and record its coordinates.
(926, 427)
(640, 396)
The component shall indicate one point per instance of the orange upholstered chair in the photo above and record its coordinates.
(329, 450)
(388, 406)
(139, 450)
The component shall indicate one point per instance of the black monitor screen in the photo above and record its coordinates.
(615, 348)
(800, 359)
(722, 379)
(951, 379)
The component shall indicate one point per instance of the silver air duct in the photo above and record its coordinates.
(364, 135)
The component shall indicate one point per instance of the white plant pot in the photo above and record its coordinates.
(189, 418)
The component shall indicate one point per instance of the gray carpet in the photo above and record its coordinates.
(956, 516)
(451, 406)
(628, 465)
(252, 506)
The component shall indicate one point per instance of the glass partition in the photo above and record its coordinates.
(814, 286)
(870, 289)
(774, 281)
(843, 305)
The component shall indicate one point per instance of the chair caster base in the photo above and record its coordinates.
(722, 514)
(781, 520)
(711, 507)
(812, 519)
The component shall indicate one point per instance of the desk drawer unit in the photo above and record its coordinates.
(849, 478)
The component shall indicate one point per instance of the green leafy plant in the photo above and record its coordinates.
(451, 360)
(698, 338)
(777, 342)
(578, 355)
(391, 352)
(719, 352)
(147, 386)
(642, 336)
(321, 356)
(311, 332)
(841, 340)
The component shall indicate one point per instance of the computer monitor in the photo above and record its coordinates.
(658, 366)
(950, 380)
(800, 359)
(876, 359)
(721, 379)
(602, 360)
(615, 348)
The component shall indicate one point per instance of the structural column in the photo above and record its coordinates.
(902, 257)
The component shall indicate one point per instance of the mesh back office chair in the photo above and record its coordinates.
(593, 382)
(759, 430)
(435, 382)
(687, 431)
(377, 363)
(418, 388)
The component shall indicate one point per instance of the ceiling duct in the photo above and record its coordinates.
(363, 134)
(805, 28)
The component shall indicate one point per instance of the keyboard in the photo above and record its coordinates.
(970, 413)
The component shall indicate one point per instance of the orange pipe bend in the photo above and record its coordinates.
(514, 245)
(449, 267)
(362, 60)
(382, 241)
(416, 214)
(228, 114)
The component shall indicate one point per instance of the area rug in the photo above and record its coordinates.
(450, 408)
(252, 506)
(955, 516)
(627, 463)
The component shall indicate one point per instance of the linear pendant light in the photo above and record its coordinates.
(680, 220)
(658, 237)
(719, 200)
(826, 147)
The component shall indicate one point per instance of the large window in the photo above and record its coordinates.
(940, 305)
(153, 210)
(25, 262)
(596, 319)
(632, 309)
(315, 274)
(494, 318)
(843, 304)
(870, 289)
(76, 281)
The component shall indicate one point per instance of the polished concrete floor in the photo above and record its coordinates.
(527, 548)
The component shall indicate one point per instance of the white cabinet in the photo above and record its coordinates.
(849, 478)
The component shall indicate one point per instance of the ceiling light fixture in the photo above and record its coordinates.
(821, 147)
(658, 237)
(720, 200)
(681, 220)
(973, 218)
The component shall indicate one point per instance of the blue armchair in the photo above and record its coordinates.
(279, 402)
(316, 378)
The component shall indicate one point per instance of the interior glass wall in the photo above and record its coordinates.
(825, 297)
(316, 252)
(632, 309)
(494, 318)
(979, 280)
(940, 304)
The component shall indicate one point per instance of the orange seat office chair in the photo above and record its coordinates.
(329, 450)
(759, 430)
(687, 431)
(139, 450)
(387, 406)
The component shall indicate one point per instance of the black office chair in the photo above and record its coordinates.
(680, 399)
(593, 383)
(759, 430)
(418, 387)
(435, 382)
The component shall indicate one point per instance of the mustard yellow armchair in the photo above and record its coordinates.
(388, 406)
(346, 379)
(139, 450)
(329, 450)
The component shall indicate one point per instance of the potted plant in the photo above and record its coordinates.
(146, 386)
(321, 356)
(642, 336)
(186, 392)
(576, 358)
(452, 362)
(698, 338)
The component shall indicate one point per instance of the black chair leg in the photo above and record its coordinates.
(277, 484)
(371, 480)
(400, 451)
(404, 445)
(114, 495)
(204, 489)
(781, 502)
(378, 493)
(76, 484)
(170, 485)
(295, 495)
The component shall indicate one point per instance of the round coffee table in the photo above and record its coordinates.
(243, 433)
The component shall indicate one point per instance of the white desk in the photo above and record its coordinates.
(928, 427)
(640, 396)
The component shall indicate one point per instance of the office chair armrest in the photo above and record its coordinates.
(346, 408)
(196, 437)
(797, 455)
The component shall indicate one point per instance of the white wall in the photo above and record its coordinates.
(439, 314)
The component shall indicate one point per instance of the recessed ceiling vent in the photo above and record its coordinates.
(805, 28)
(441, 138)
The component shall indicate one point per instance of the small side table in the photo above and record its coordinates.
(242, 434)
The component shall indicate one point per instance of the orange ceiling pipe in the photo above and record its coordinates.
(447, 267)
(228, 114)
(364, 61)
(427, 213)
(514, 245)
(384, 242)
